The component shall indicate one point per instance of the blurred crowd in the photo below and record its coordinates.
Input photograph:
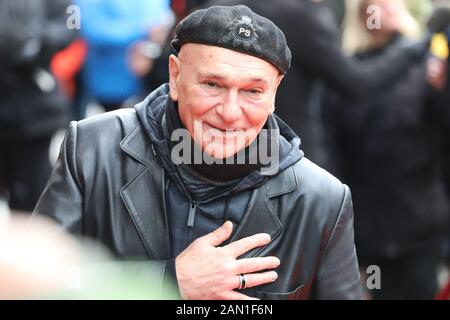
(368, 93)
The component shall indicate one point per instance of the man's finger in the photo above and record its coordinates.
(257, 264)
(219, 235)
(242, 246)
(257, 279)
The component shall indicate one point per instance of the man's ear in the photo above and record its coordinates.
(174, 73)
(280, 77)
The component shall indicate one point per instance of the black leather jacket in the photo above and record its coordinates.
(27, 111)
(109, 185)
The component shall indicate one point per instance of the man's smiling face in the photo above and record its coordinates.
(224, 93)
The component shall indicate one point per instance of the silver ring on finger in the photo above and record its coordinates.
(242, 282)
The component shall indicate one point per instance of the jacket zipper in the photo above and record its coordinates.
(190, 223)
(191, 216)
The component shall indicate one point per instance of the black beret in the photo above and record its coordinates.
(237, 28)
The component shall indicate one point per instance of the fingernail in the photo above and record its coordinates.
(267, 238)
(276, 262)
(274, 276)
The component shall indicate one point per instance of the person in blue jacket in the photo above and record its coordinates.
(111, 29)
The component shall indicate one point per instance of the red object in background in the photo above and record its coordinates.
(179, 7)
(66, 64)
(444, 294)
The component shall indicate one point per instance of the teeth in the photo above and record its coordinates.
(224, 130)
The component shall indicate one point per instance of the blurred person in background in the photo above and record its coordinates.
(38, 260)
(315, 39)
(159, 73)
(32, 108)
(118, 33)
(338, 9)
(387, 150)
(35, 258)
(443, 102)
(66, 65)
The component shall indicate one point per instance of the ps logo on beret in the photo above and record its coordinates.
(245, 28)
(242, 33)
(245, 33)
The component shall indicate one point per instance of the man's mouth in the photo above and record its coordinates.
(215, 130)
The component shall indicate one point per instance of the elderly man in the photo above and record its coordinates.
(227, 220)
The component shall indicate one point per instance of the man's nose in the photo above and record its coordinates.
(230, 110)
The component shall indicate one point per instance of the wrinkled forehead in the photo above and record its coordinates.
(206, 58)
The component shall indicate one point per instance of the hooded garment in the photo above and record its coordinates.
(195, 204)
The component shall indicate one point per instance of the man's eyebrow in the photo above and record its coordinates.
(256, 79)
(211, 76)
(219, 77)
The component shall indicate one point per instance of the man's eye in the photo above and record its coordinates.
(211, 84)
(255, 92)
